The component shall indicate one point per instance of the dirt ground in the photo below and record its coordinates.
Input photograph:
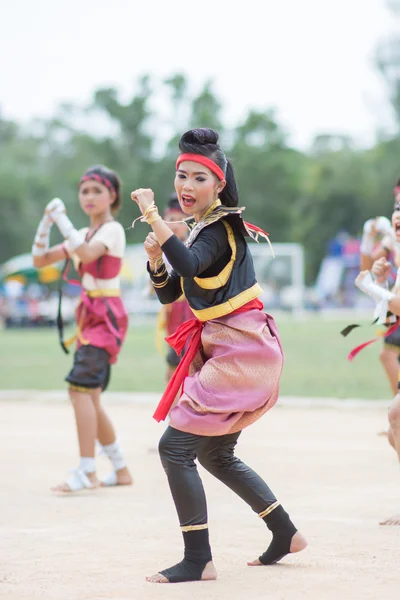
(328, 466)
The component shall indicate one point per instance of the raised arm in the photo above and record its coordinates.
(74, 240)
(369, 254)
(41, 253)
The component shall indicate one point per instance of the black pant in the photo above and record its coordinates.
(178, 451)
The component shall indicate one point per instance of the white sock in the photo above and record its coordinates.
(87, 464)
(114, 453)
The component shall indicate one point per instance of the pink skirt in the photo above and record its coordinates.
(234, 379)
(95, 326)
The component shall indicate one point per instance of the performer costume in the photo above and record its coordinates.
(392, 341)
(240, 346)
(230, 374)
(173, 315)
(101, 317)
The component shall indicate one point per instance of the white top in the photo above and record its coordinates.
(112, 235)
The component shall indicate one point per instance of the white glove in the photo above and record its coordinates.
(67, 229)
(42, 237)
(367, 240)
(383, 225)
(381, 295)
(54, 207)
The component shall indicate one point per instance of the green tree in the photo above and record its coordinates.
(268, 173)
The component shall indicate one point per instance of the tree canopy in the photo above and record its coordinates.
(297, 196)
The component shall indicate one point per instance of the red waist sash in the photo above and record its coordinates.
(188, 333)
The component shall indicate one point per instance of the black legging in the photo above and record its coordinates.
(178, 451)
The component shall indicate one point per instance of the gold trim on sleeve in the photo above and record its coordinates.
(160, 274)
(162, 284)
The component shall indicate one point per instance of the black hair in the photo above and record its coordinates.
(204, 141)
(114, 179)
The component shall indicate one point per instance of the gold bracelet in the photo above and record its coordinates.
(150, 209)
(156, 263)
(150, 220)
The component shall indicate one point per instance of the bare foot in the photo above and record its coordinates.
(124, 477)
(120, 477)
(209, 574)
(297, 544)
(395, 520)
(66, 488)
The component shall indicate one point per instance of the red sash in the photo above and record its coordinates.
(358, 349)
(189, 333)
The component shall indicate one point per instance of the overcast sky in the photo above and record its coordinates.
(310, 59)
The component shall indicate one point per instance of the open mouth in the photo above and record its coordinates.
(397, 228)
(187, 200)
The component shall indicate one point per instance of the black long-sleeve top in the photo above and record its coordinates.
(207, 256)
(198, 271)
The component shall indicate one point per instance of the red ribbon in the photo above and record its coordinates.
(358, 349)
(255, 228)
(188, 334)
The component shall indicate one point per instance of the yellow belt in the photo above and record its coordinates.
(103, 292)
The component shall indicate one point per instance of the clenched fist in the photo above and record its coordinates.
(152, 247)
(381, 269)
(144, 198)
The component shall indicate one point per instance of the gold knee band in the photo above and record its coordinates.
(194, 527)
(79, 388)
(268, 510)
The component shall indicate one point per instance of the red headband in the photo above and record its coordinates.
(98, 178)
(203, 160)
(396, 190)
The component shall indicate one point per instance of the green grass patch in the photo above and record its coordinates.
(315, 361)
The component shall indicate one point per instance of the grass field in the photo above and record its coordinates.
(315, 361)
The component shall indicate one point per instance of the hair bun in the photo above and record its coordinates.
(199, 137)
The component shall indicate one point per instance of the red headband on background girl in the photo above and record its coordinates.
(203, 160)
(98, 178)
